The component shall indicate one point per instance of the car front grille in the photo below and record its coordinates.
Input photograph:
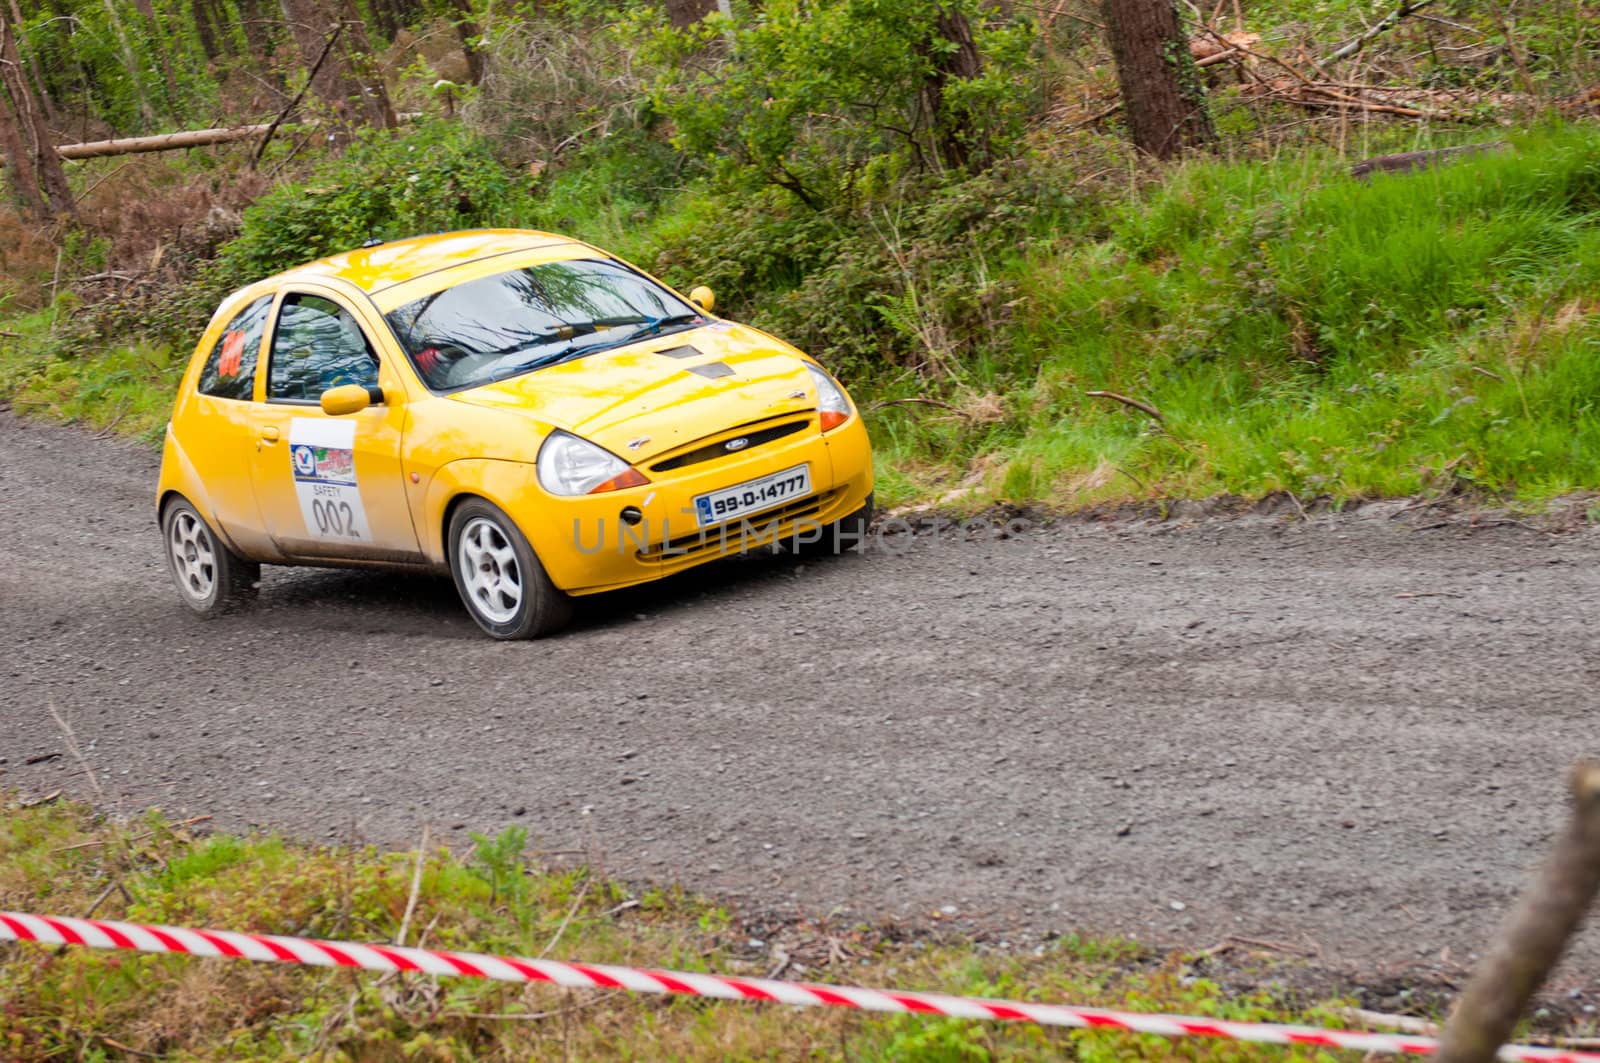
(718, 447)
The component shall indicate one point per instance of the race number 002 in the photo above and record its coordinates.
(335, 518)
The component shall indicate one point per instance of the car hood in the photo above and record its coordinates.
(666, 391)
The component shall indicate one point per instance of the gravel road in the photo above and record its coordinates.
(1348, 733)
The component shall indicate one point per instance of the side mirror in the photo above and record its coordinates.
(704, 298)
(346, 398)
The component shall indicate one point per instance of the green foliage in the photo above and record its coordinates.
(498, 861)
(828, 100)
(435, 177)
(134, 73)
(916, 277)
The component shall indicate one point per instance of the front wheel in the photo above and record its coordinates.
(848, 534)
(499, 578)
(211, 579)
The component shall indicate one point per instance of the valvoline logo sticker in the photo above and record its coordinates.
(327, 465)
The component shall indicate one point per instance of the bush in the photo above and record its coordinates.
(436, 177)
(828, 100)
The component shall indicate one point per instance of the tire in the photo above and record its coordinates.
(848, 534)
(211, 579)
(498, 576)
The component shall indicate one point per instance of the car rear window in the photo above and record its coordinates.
(230, 369)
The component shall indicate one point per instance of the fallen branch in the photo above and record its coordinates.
(1340, 99)
(273, 127)
(416, 887)
(1135, 403)
(1098, 116)
(1384, 1021)
(1276, 946)
(572, 911)
(134, 838)
(1384, 25)
(908, 401)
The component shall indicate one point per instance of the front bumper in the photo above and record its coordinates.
(586, 546)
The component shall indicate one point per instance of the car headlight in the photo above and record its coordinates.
(833, 409)
(572, 466)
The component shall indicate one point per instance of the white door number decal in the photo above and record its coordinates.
(322, 459)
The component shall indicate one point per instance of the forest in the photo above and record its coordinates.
(1064, 252)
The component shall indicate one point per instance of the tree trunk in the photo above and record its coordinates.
(382, 14)
(956, 142)
(467, 32)
(41, 90)
(257, 36)
(24, 186)
(685, 13)
(345, 81)
(130, 62)
(40, 182)
(1161, 94)
(156, 34)
(364, 70)
(204, 30)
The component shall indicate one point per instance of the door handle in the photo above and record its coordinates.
(269, 434)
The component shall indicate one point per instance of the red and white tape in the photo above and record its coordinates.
(272, 948)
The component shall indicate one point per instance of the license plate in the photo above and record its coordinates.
(752, 496)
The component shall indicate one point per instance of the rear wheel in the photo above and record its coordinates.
(211, 579)
(499, 578)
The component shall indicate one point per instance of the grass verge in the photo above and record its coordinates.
(61, 858)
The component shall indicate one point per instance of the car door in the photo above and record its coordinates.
(330, 487)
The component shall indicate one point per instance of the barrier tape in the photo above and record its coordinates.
(272, 948)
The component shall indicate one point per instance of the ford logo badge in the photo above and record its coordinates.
(736, 444)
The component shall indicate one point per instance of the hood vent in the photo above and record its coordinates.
(684, 351)
(712, 370)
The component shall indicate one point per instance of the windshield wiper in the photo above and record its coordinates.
(573, 348)
(653, 326)
(539, 339)
(548, 358)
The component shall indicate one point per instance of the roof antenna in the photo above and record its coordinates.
(373, 242)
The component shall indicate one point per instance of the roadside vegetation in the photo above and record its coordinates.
(974, 264)
(58, 858)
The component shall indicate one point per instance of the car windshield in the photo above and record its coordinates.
(514, 322)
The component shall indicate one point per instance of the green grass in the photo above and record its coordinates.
(126, 388)
(58, 858)
(1302, 332)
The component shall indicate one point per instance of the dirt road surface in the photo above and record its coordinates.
(1348, 733)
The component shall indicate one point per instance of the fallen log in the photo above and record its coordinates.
(187, 138)
(1406, 161)
(191, 138)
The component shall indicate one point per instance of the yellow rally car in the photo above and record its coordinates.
(522, 410)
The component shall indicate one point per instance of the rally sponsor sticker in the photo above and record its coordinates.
(322, 459)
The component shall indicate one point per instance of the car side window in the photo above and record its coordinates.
(317, 345)
(230, 369)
